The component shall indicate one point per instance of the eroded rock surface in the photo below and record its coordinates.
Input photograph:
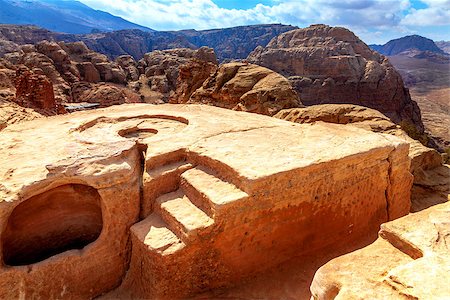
(243, 87)
(410, 260)
(332, 65)
(161, 70)
(202, 214)
(422, 157)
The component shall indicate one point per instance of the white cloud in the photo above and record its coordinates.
(437, 13)
(362, 16)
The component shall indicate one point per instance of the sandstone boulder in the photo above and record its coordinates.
(244, 87)
(422, 157)
(409, 260)
(191, 77)
(71, 68)
(332, 65)
(103, 94)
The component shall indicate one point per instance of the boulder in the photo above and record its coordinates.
(331, 65)
(60, 59)
(104, 94)
(409, 260)
(244, 87)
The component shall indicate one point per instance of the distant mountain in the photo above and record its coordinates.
(444, 45)
(68, 16)
(228, 43)
(407, 43)
(235, 42)
(133, 42)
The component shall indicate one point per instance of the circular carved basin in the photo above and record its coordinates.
(64, 218)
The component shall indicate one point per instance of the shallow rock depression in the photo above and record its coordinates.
(167, 201)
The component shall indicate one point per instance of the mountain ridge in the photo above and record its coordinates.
(62, 16)
(406, 43)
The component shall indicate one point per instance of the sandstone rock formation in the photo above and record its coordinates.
(69, 69)
(34, 91)
(244, 87)
(422, 158)
(331, 65)
(161, 70)
(410, 260)
(188, 192)
(430, 187)
(12, 113)
(103, 94)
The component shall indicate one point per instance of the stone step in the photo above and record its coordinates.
(183, 217)
(170, 169)
(207, 191)
(161, 180)
(154, 233)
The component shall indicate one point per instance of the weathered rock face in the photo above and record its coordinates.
(71, 69)
(244, 87)
(161, 69)
(331, 65)
(103, 94)
(35, 91)
(410, 260)
(12, 113)
(422, 158)
(184, 194)
(129, 65)
(191, 77)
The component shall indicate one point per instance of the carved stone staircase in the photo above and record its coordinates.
(181, 217)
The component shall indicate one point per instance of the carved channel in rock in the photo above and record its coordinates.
(64, 218)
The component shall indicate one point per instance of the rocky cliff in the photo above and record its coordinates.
(332, 65)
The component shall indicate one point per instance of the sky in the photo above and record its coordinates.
(374, 21)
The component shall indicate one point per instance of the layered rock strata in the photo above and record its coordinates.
(331, 65)
(422, 157)
(205, 201)
(409, 260)
(240, 86)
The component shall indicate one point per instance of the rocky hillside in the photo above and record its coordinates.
(444, 46)
(62, 16)
(332, 65)
(410, 42)
(425, 71)
(235, 42)
(229, 43)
